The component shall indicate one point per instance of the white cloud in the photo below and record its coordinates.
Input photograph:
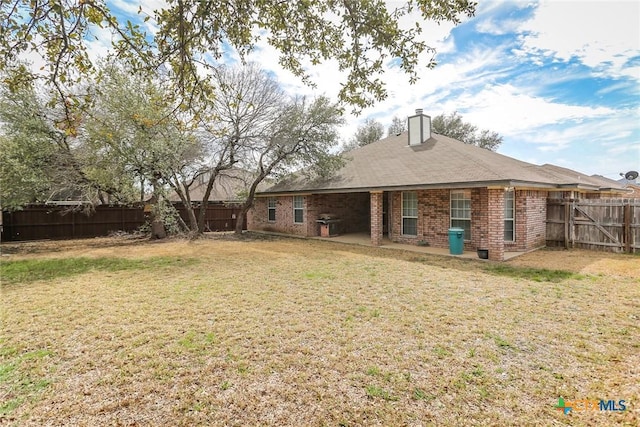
(597, 145)
(490, 16)
(131, 8)
(136, 12)
(510, 112)
(99, 42)
(403, 97)
(602, 35)
(498, 28)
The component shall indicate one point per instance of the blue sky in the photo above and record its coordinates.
(559, 80)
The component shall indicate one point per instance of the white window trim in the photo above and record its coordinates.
(513, 218)
(403, 216)
(295, 209)
(271, 208)
(467, 195)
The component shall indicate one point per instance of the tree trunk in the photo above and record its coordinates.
(242, 215)
(205, 200)
(183, 225)
(252, 193)
(193, 221)
(157, 226)
(141, 189)
(185, 198)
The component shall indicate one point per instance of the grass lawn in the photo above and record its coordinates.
(297, 332)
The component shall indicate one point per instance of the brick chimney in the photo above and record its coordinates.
(419, 128)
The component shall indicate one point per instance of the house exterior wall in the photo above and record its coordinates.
(257, 217)
(355, 210)
(487, 220)
(495, 227)
(530, 217)
(377, 205)
(433, 218)
(351, 208)
(635, 192)
(479, 219)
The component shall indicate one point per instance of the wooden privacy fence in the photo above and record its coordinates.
(597, 224)
(38, 222)
(218, 217)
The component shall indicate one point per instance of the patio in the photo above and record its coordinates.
(364, 239)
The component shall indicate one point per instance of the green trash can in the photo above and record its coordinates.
(456, 241)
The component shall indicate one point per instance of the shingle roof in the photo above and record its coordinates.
(568, 177)
(438, 162)
(228, 187)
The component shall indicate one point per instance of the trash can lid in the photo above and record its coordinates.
(456, 229)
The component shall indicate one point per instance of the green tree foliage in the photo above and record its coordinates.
(359, 35)
(25, 152)
(132, 131)
(369, 131)
(41, 156)
(133, 126)
(453, 126)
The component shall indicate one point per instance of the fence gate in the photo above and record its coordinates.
(597, 224)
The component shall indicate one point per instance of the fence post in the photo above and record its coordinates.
(627, 227)
(567, 208)
(572, 225)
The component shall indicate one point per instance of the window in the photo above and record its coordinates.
(271, 210)
(409, 213)
(298, 209)
(509, 216)
(461, 211)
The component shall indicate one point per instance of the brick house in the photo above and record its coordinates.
(413, 187)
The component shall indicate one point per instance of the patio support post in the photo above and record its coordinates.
(495, 234)
(376, 217)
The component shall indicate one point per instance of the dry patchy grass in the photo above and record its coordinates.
(294, 332)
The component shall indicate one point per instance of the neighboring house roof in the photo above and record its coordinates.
(569, 177)
(230, 186)
(439, 162)
(632, 188)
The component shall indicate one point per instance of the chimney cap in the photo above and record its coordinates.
(418, 110)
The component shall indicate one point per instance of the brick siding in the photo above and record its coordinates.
(352, 208)
(376, 217)
(479, 220)
(433, 218)
(356, 210)
(257, 217)
(487, 220)
(495, 226)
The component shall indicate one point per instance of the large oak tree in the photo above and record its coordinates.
(188, 36)
(187, 42)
